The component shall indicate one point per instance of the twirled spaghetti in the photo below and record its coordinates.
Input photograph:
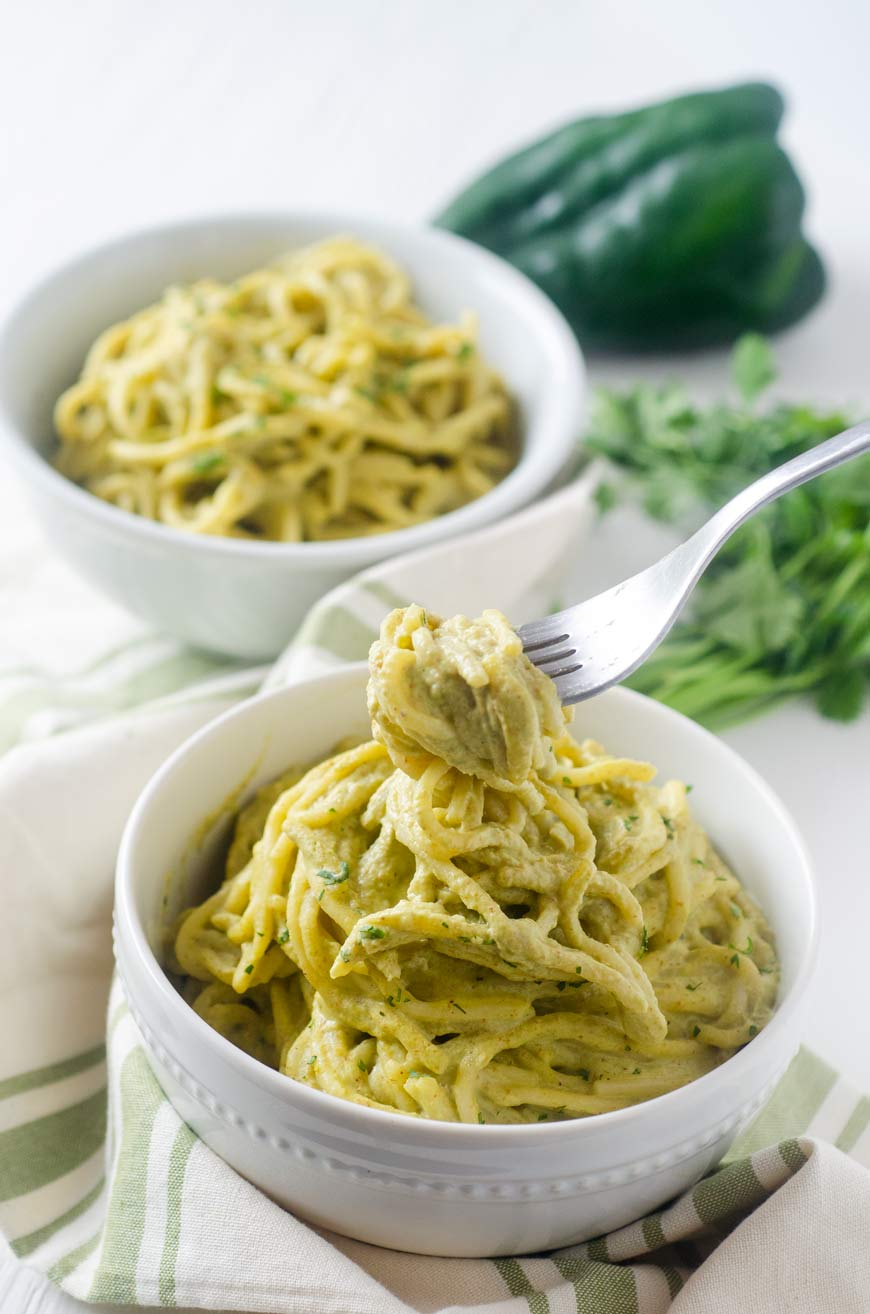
(472, 916)
(308, 400)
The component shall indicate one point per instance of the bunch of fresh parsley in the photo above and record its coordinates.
(785, 606)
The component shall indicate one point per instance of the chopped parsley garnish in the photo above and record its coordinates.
(753, 1031)
(364, 1067)
(459, 1006)
(480, 1118)
(249, 969)
(312, 1061)
(334, 878)
(584, 1073)
(283, 936)
(734, 960)
(466, 939)
(629, 821)
(579, 971)
(669, 826)
(696, 1031)
(208, 462)
(735, 911)
(542, 1117)
(372, 933)
(465, 351)
(694, 987)
(636, 1072)
(446, 925)
(608, 802)
(566, 780)
(561, 985)
(699, 862)
(644, 941)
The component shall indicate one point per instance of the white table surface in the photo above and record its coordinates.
(118, 114)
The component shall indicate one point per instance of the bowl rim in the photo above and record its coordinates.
(537, 466)
(430, 1132)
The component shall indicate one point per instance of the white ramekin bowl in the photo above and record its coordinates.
(235, 596)
(432, 1187)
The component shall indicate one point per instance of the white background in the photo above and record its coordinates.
(117, 114)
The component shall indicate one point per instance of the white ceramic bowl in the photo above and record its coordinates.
(433, 1187)
(235, 596)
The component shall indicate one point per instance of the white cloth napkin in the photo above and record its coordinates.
(151, 1217)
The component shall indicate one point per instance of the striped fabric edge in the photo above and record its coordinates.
(640, 1268)
(120, 1243)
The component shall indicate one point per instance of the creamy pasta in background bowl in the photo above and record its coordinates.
(498, 1177)
(193, 537)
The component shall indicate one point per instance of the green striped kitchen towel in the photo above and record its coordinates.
(107, 1197)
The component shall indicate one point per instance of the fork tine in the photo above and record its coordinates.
(545, 657)
(537, 644)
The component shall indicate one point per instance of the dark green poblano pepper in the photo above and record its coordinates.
(678, 225)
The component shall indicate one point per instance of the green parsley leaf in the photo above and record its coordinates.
(372, 933)
(334, 878)
(481, 1119)
(696, 1031)
(283, 936)
(605, 496)
(459, 1006)
(753, 1031)
(629, 821)
(752, 366)
(207, 463)
(644, 941)
(694, 987)
(465, 351)
(784, 609)
(249, 969)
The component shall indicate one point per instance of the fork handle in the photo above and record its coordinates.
(707, 541)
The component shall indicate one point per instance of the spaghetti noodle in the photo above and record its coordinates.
(472, 916)
(309, 400)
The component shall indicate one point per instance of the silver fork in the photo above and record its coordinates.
(589, 647)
